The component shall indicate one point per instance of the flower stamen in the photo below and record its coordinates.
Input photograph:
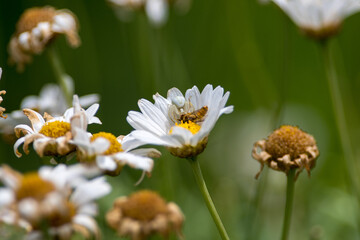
(189, 125)
(115, 146)
(32, 185)
(55, 129)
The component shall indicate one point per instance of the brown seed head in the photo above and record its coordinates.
(144, 206)
(33, 16)
(288, 140)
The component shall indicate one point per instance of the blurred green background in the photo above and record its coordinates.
(251, 50)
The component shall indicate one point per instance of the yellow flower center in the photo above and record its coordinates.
(31, 17)
(288, 140)
(115, 146)
(144, 206)
(189, 125)
(33, 186)
(55, 129)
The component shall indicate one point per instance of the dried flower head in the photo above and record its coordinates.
(60, 198)
(110, 154)
(143, 214)
(181, 123)
(36, 28)
(51, 135)
(319, 19)
(2, 110)
(287, 148)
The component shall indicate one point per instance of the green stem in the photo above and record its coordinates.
(289, 203)
(209, 203)
(59, 73)
(340, 119)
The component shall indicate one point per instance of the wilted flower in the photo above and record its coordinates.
(50, 100)
(180, 123)
(51, 135)
(287, 148)
(321, 18)
(143, 214)
(58, 199)
(156, 10)
(110, 154)
(36, 28)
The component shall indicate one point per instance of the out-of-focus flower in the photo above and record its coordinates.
(50, 100)
(180, 123)
(110, 154)
(51, 135)
(60, 199)
(319, 19)
(144, 214)
(36, 28)
(2, 110)
(157, 11)
(287, 148)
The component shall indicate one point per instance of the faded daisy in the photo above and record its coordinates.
(60, 198)
(36, 28)
(51, 135)
(144, 214)
(181, 123)
(111, 153)
(50, 100)
(319, 19)
(287, 148)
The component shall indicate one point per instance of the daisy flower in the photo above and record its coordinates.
(50, 100)
(51, 135)
(181, 123)
(143, 214)
(60, 197)
(319, 18)
(111, 153)
(36, 28)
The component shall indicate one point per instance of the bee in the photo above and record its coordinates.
(195, 116)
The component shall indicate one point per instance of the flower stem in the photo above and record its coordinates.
(209, 203)
(289, 203)
(340, 119)
(59, 74)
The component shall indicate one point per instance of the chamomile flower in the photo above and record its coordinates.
(51, 135)
(60, 198)
(181, 123)
(319, 18)
(143, 214)
(50, 100)
(111, 153)
(36, 28)
(157, 11)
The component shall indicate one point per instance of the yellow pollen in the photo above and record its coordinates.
(144, 205)
(189, 125)
(115, 146)
(33, 186)
(31, 17)
(55, 129)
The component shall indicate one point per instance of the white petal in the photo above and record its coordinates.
(106, 163)
(135, 161)
(90, 191)
(6, 196)
(87, 222)
(87, 100)
(157, 11)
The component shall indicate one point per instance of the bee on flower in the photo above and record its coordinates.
(319, 19)
(144, 214)
(181, 123)
(51, 135)
(36, 28)
(54, 202)
(110, 154)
